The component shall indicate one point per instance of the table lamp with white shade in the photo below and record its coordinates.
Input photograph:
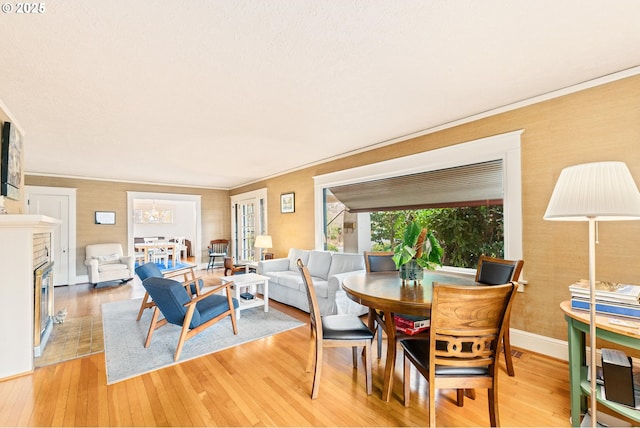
(593, 192)
(263, 242)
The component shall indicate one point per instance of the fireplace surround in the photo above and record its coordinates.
(43, 310)
(18, 263)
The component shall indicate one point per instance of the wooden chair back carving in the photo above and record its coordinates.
(467, 322)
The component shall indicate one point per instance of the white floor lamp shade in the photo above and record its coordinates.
(263, 242)
(599, 191)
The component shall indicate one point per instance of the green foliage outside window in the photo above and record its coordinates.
(464, 233)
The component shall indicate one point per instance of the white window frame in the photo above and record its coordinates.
(504, 146)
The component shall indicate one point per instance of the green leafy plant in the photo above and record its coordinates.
(419, 244)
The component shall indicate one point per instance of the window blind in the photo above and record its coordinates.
(467, 185)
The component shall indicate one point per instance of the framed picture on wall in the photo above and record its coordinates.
(105, 217)
(10, 161)
(287, 202)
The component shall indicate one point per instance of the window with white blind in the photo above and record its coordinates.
(479, 172)
(465, 185)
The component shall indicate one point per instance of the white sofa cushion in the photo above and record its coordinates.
(346, 262)
(294, 255)
(107, 259)
(273, 265)
(290, 280)
(319, 264)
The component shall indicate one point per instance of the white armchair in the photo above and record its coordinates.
(106, 262)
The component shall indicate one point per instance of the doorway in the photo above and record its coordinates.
(188, 207)
(60, 203)
(249, 219)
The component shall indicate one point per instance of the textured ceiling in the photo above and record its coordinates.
(222, 93)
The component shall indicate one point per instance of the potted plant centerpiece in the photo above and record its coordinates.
(418, 250)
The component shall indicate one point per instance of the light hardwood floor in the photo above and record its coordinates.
(262, 383)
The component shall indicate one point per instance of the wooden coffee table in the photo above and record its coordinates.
(248, 283)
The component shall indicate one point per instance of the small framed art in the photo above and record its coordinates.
(287, 202)
(105, 217)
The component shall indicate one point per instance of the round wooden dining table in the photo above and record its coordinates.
(384, 292)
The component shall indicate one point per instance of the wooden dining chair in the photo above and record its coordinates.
(493, 271)
(161, 255)
(230, 268)
(382, 261)
(217, 248)
(378, 261)
(463, 348)
(334, 331)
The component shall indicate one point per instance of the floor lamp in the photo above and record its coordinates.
(593, 192)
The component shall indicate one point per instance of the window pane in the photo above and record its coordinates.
(333, 223)
(463, 232)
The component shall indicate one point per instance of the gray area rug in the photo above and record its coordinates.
(124, 337)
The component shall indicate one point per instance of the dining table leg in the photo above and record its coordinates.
(390, 365)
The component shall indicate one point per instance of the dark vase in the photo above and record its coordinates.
(411, 271)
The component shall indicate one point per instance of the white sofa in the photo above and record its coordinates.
(327, 270)
(106, 262)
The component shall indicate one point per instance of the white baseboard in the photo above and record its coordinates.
(541, 344)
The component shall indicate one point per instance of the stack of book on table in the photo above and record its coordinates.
(611, 298)
(411, 327)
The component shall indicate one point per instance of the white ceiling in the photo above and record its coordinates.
(222, 93)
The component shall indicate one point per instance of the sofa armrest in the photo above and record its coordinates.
(273, 265)
(129, 261)
(334, 282)
(92, 267)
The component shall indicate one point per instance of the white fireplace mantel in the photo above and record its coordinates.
(17, 289)
(33, 221)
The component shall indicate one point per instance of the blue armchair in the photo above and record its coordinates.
(151, 270)
(193, 314)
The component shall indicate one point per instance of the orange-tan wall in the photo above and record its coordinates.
(601, 123)
(95, 195)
